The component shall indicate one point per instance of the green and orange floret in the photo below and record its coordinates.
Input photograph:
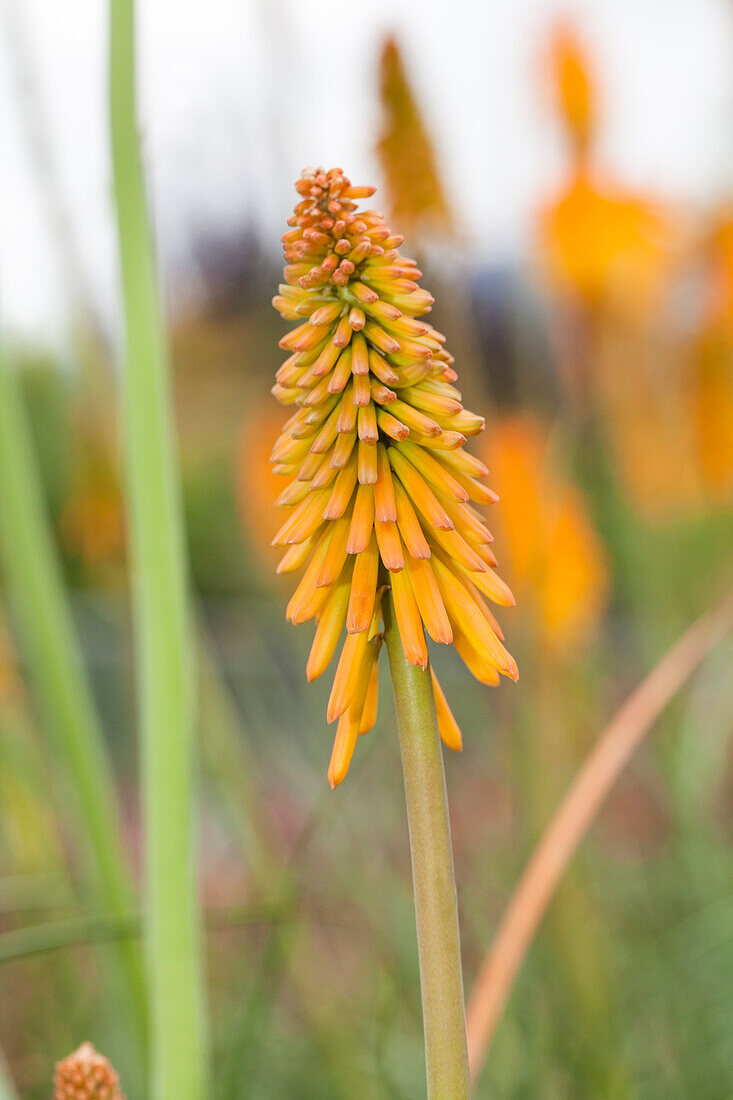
(382, 493)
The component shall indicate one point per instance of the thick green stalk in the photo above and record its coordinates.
(163, 627)
(436, 911)
(35, 587)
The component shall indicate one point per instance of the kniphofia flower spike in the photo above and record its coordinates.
(381, 491)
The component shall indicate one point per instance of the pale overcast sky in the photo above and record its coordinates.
(238, 95)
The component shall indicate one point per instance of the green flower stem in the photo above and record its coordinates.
(163, 627)
(436, 911)
(35, 587)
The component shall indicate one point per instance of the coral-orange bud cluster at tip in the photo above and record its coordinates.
(86, 1075)
(381, 492)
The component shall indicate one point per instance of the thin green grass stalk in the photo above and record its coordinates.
(41, 610)
(436, 911)
(72, 932)
(163, 623)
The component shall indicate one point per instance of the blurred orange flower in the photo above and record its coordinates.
(712, 397)
(415, 195)
(720, 262)
(712, 367)
(573, 86)
(91, 524)
(668, 406)
(92, 520)
(604, 245)
(554, 554)
(650, 440)
(257, 485)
